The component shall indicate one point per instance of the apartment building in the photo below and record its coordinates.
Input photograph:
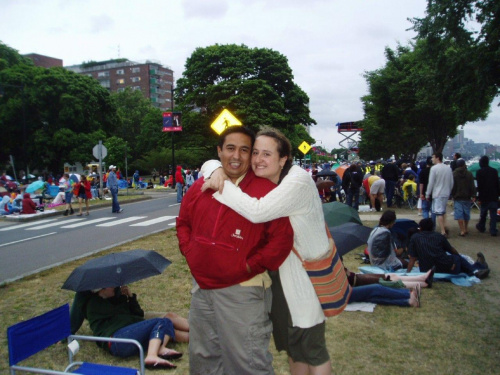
(154, 80)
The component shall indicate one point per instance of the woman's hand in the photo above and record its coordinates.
(216, 181)
(126, 291)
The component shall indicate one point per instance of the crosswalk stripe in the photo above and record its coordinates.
(153, 221)
(54, 224)
(27, 224)
(121, 221)
(88, 222)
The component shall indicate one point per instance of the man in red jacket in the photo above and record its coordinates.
(229, 257)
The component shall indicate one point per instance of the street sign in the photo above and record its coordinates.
(304, 147)
(172, 122)
(223, 121)
(104, 151)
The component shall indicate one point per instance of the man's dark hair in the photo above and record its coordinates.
(426, 225)
(439, 155)
(428, 161)
(236, 129)
(484, 161)
(387, 217)
(458, 155)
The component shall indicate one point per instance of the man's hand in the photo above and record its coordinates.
(216, 181)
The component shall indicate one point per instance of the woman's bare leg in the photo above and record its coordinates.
(155, 347)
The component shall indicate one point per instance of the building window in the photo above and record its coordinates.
(120, 89)
(136, 88)
(135, 79)
(120, 72)
(136, 70)
(103, 74)
(120, 81)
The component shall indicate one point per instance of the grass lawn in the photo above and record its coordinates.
(456, 331)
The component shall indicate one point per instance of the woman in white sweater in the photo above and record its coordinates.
(297, 197)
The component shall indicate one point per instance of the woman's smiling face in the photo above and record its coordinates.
(266, 161)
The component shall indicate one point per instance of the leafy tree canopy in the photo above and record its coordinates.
(424, 92)
(47, 116)
(457, 20)
(256, 85)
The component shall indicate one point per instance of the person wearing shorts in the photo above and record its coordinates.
(377, 188)
(439, 187)
(463, 193)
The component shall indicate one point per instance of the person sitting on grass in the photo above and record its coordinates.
(432, 249)
(115, 312)
(381, 246)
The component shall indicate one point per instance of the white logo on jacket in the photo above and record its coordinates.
(236, 234)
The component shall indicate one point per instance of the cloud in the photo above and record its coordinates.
(213, 9)
(101, 23)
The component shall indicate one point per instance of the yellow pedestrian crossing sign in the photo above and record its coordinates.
(224, 120)
(304, 147)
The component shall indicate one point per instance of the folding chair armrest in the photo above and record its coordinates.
(109, 339)
(37, 370)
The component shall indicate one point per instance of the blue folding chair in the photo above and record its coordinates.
(32, 336)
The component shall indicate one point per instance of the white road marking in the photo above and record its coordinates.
(54, 224)
(153, 221)
(27, 239)
(88, 222)
(27, 224)
(121, 221)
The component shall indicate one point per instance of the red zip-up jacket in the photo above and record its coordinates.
(218, 242)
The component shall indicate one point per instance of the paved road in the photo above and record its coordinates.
(28, 248)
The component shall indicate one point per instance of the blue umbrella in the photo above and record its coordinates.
(34, 186)
(75, 178)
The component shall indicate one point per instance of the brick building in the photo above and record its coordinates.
(44, 61)
(153, 79)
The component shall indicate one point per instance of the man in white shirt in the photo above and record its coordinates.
(439, 187)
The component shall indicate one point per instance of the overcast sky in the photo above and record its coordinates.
(329, 43)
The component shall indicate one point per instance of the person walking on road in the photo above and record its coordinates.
(82, 191)
(179, 183)
(113, 188)
(65, 182)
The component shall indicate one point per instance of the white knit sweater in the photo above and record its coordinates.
(296, 197)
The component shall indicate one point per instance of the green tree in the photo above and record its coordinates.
(139, 122)
(53, 116)
(456, 20)
(423, 93)
(256, 85)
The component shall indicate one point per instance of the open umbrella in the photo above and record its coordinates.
(75, 177)
(116, 269)
(324, 184)
(473, 168)
(340, 170)
(34, 186)
(349, 236)
(337, 213)
(326, 172)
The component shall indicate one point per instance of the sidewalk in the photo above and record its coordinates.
(93, 204)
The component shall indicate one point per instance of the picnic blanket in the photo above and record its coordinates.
(461, 279)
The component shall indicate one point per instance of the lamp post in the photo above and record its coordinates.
(2, 85)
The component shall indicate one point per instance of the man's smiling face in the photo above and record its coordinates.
(235, 155)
